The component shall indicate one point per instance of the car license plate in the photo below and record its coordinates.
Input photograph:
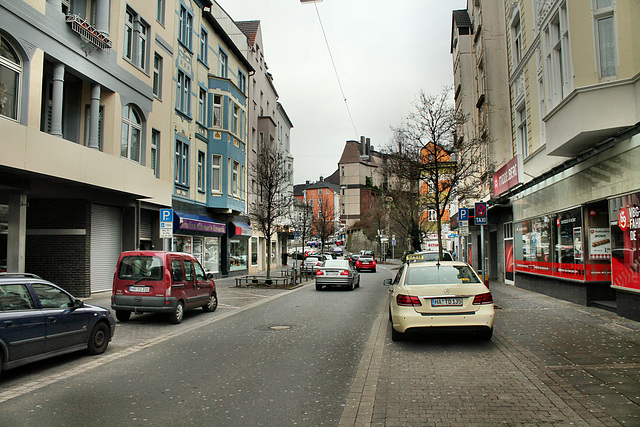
(140, 289)
(443, 302)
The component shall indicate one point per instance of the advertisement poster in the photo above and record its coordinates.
(599, 243)
(577, 243)
(508, 261)
(625, 260)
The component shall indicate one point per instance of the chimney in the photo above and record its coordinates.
(368, 152)
(362, 146)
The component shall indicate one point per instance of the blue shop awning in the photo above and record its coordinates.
(193, 222)
(240, 229)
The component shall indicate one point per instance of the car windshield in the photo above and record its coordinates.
(336, 263)
(140, 267)
(442, 274)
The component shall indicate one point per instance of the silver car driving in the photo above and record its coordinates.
(337, 272)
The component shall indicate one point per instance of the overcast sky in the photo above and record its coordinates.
(385, 52)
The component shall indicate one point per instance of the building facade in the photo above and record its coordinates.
(360, 170)
(210, 100)
(86, 147)
(573, 73)
(481, 94)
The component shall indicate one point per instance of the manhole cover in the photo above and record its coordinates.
(277, 327)
(280, 327)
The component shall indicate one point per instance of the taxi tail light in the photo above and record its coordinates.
(408, 301)
(319, 273)
(344, 273)
(485, 298)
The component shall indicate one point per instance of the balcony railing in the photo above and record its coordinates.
(88, 32)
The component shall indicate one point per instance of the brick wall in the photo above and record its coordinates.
(58, 243)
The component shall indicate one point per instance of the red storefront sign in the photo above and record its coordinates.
(506, 177)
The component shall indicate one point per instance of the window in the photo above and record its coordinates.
(516, 34)
(202, 107)
(15, 297)
(433, 216)
(185, 27)
(135, 39)
(182, 164)
(236, 120)
(217, 111)
(242, 82)
(557, 57)
(155, 153)
(480, 78)
(131, 132)
(201, 174)
(521, 133)
(66, 6)
(160, 8)
(51, 297)
(202, 54)
(319, 191)
(603, 15)
(222, 64)
(235, 179)
(157, 75)
(183, 92)
(216, 174)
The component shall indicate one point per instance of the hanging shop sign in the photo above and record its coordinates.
(625, 242)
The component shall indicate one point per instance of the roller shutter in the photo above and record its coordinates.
(106, 245)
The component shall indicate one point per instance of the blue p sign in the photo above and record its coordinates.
(166, 215)
(463, 214)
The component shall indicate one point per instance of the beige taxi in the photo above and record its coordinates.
(439, 296)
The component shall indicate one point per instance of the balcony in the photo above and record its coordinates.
(579, 121)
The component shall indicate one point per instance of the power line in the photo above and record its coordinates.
(336, 71)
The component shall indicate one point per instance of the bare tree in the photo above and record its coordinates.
(428, 159)
(324, 222)
(273, 199)
(302, 221)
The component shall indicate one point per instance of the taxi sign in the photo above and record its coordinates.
(415, 257)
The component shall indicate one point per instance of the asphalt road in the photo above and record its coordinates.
(284, 359)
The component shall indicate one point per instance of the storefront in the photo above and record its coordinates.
(238, 247)
(200, 236)
(625, 253)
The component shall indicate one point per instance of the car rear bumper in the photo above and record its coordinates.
(406, 319)
(143, 304)
(334, 280)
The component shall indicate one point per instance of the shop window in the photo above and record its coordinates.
(211, 254)
(237, 254)
(182, 244)
(254, 251)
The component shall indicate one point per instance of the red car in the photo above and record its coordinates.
(366, 263)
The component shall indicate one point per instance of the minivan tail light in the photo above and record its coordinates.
(408, 301)
(485, 298)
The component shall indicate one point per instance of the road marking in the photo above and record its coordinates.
(97, 361)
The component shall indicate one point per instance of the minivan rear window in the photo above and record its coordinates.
(140, 267)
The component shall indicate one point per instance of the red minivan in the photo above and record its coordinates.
(160, 282)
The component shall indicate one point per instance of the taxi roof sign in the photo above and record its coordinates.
(415, 257)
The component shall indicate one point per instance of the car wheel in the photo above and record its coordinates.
(212, 304)
(358, 283)
(390, 317)
(178, 314)
(350, 286)
(318, 287)
(485, 335)
(374, 270)
(123, 316)
(396, 336)
(99, 339)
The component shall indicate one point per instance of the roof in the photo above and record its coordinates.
(250, 29)
(324, 184)
(351, 152)
(460, 19)
(334, 178)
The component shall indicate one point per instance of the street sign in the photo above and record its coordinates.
(463, 214)
(481, 214)
(464, 231)
(166, 223)
(463, 223)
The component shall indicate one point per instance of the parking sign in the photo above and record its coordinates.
(481, 214)
(166, 223)
(463, 214)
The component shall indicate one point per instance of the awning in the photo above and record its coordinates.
(240, 229)
(192, 222)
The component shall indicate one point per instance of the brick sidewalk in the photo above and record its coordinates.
(550, 362)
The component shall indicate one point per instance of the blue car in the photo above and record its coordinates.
(39, 320)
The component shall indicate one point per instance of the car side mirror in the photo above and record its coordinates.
(78, 303)
(209, 276)
(387, 282)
